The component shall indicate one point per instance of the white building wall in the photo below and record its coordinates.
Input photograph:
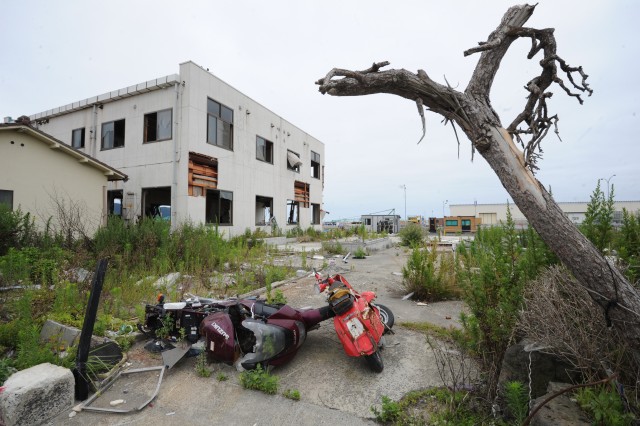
(239, 171)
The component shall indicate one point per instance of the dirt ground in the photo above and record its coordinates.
(334, 388)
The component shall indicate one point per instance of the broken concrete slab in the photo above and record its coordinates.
(64, 336)
(35, 395)
(168, 281)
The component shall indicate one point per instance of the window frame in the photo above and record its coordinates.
(263, 199)
(315, 214)
(145, 133)
(102, 134)
(9, 194)
(219, 209)
(73, 133)
(296, 205)
(451, 222)
(268, 150)
(315, 168)
(218, 116)
(296, 168)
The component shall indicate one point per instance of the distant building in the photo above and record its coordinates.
(493, 214)
(389, 223)
(196, 149)
(41, 175)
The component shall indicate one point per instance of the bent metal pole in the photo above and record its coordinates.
(80, 371)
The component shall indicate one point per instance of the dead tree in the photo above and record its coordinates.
(471, 110)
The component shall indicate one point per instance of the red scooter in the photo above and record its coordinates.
(359, 323)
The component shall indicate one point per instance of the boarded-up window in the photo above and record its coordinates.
(301, 193)
(203, 174)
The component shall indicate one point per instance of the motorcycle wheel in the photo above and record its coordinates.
(387, 318)
(374, 361)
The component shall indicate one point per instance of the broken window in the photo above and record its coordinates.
(114, 202)
(219, 124)
(113, 134)
(293, 212)
(315, 214)
(301, 193)
(293, 161)
(219, 207)
(315, 165)
(156, 202)
(203, 174)
(157, 126)
(6, 197)
(77, 138)
(264, 210)
(264, 150)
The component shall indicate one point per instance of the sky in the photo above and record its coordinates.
(58, 52)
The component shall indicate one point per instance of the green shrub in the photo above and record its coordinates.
(411, 235)
(390, 411)
(360, 253)
(517, 399)
(6, 369)
(425, 278)
(293, 394)
(259, 379)
(221, 377)
(494, 271)
(604, 405)
(201, 367)
(17, 229)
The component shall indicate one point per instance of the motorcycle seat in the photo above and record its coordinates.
(260, 309)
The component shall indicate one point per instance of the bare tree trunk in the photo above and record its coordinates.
(472, 111)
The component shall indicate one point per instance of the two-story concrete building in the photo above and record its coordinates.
(196, 149)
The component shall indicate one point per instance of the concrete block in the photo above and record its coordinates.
(35, 395)
(60, 334)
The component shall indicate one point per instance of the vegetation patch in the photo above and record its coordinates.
(260, 379)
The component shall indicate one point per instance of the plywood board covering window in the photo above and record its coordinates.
(203, 174)
(301, 193)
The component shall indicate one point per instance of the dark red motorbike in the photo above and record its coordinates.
(247, 332)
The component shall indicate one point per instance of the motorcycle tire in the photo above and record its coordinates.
(387, 318)
(374, 361)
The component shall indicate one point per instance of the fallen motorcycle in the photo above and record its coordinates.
(359, 322)
(244, 331)
(250, 331)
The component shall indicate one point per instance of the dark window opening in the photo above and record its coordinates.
(113, 134)
(77, 138)
(156, 203)
(315, 214)
(293, 161)
(293, 212)
(219, 207)
(114, 202)
(6, 197)
(264, 150)
(315, 165)
(157, 126)
(264, 210)
(219, 125)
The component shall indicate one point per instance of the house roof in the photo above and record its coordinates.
(126, 92)
(109, 172)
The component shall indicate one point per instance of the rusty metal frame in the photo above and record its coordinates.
(99, 392)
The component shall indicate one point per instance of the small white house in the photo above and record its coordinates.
(196, 149)
(51, 180)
